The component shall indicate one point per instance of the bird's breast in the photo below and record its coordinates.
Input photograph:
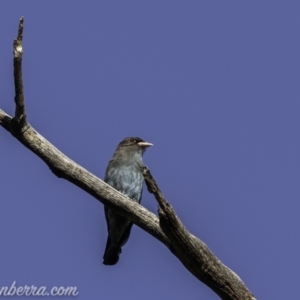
(127, 179)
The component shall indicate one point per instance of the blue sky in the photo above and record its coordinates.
(214, 85)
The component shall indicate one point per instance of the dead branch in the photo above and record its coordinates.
(167, 227)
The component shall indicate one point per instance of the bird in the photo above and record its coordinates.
(124, 173)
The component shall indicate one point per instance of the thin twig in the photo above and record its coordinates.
(19, 120)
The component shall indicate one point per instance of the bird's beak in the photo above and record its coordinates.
(145, 144)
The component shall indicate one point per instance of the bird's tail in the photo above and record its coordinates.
(111, 254)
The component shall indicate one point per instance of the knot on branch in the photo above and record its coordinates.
(18, 48)
(19, 125)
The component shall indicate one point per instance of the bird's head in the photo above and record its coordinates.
(133, 144)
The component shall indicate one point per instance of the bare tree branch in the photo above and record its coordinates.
(193, 253)
(20, 114)
(168, 228)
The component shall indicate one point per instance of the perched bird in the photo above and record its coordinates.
(124, 173)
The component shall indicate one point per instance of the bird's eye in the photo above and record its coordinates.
(132, 140)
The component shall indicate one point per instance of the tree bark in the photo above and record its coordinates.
(166, 227)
